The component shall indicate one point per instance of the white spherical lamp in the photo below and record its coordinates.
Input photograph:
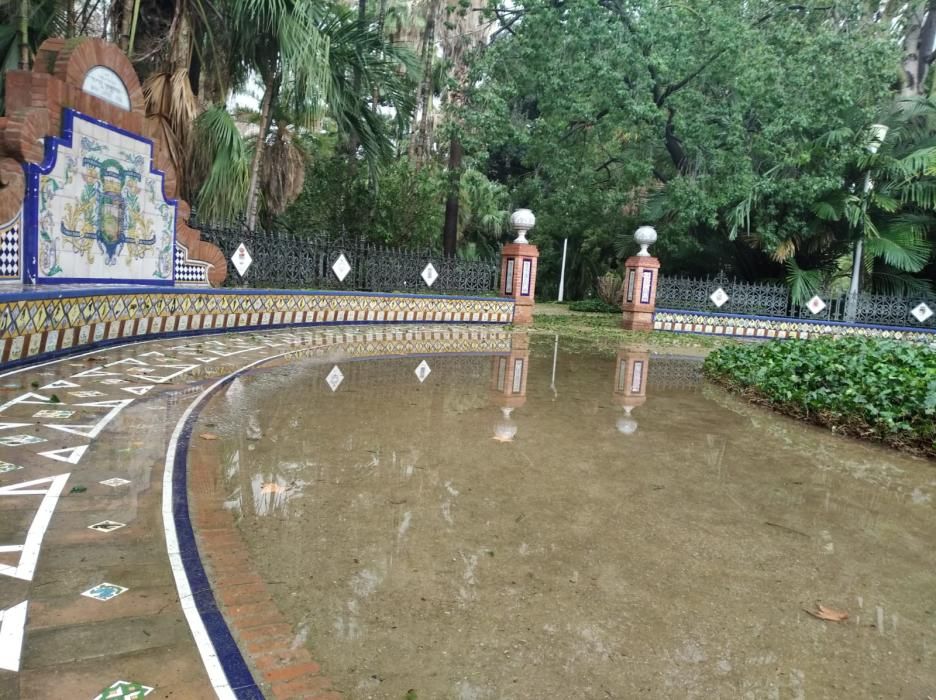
(522, 221)
(645, 237)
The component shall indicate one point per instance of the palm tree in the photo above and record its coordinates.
(358, 63)
(874, 226)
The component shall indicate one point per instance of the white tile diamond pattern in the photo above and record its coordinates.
(815, 305)
(341, 268)
(334, 378)
(422, 371)
(922, 312)
(241, 259)
(719, 297)
(429, 275)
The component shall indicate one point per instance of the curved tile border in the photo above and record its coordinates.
(767, 327)
(42, 325)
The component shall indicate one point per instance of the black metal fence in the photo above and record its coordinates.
(283, 260)
(766, 299)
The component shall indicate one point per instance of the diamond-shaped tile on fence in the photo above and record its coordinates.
(922, 312)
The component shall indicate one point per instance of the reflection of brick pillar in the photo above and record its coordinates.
(509, 383)
(509, 373)
(640, 283)
(630, 376)
(630, 384)
(518, 268)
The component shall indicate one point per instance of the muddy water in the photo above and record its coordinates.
(506, 530)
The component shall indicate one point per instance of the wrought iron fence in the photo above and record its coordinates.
(283, 260)
(731, 296)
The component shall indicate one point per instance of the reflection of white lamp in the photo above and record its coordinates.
(505, 430)
(626, 425)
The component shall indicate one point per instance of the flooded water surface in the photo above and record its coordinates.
(541, 523)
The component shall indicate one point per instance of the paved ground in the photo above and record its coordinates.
(87, 600)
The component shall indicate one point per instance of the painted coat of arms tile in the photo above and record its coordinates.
(102, 212)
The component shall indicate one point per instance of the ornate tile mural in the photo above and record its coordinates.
(102, 215)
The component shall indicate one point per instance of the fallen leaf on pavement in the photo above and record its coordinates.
(828, 614)
(208, 436)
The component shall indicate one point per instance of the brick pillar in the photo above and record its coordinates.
(640, 284)
(508, 384)
(518, 268)
(630, 384)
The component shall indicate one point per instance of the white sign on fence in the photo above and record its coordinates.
(241, 259)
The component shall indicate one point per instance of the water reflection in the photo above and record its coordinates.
(419, 553)
(509, 385)
(632, 366)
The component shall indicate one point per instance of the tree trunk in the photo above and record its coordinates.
(353, 138)
(126, 17)
(69, 19)
(450, 230)
(181, 41)
(927, 41)
(269, 89)
(421, 139)
(24, 35)
(911, 57)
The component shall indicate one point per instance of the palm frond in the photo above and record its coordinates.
(804, 284)
(901, 245)
(169, 98)
(221, 162)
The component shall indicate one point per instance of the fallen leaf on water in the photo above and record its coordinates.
(208, 436)
(828, 614)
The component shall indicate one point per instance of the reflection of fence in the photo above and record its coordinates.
(283, 260)
(665, 372)
(773, 300)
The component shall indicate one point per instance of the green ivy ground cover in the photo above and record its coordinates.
(878, 389)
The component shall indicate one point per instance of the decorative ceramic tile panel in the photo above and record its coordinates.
(102, 213)
(766, 327)
(38, 326)
(10, 248)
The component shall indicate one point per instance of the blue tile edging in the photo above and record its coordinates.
(239, 678)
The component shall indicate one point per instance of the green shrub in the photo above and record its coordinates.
(879, 389)
(594, 305)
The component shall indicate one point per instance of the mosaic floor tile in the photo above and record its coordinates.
(18, 440)
(70, 455)
(105, 592)
(106, 526)
(53, 414)
(124, 690)
(115, 482)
